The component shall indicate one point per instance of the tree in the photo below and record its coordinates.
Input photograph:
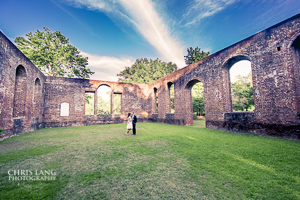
(103, 107)
(117, 103)
(195, 55)
(242, 93)
(198, 99)
(146, 71)
(53, 55)
(89, 103)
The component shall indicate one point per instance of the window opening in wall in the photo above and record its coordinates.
(104, 100)
(156, 100)
(172, 97)
(241, 86)
(64, 109)
(197, 92)
(89, 103)
(20, 92)
(37, 98)
(117, 103)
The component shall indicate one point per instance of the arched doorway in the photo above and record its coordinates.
(104, 100)
(195, 103)
(241, 84)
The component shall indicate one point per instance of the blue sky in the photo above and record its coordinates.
(114, 33)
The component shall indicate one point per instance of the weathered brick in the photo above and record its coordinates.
(29, 100)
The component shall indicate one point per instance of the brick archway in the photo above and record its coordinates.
(100, 107)
(189, 100)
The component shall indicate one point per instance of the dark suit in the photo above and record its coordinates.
(134, 120)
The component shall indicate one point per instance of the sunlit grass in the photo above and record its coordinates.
(161, 162)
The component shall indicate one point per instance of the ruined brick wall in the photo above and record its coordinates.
(19, 93)
(274, 56)
(72, 91)
(29, 100)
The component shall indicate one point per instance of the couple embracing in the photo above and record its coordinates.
(131, 122)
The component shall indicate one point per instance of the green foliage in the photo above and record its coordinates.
(103, 107)
(53, 55)
(162, 162)
(146, 71)
(195, 55)
(198, 99)
(89, 103)
(88, 97)
(172, 98)
(242, 93)
(117, 104)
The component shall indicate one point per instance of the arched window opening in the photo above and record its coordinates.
(195, 103)
(37, 98)
(20, 92)
(156, 100)
(171, 96)
(241, 84)
(296, 48)
(117, 98)
(89, 103)
(104, 100)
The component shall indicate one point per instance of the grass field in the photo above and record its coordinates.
(161, 162)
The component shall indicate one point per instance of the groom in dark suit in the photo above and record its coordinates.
(134, 120)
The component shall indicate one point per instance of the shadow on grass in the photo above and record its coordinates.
(161, 162)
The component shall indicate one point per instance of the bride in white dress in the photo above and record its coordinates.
(129, 123)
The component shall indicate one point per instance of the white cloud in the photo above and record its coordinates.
(106, 68)
(146, 20)
(200, 9)
(152, 27)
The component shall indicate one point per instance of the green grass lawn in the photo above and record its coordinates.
(161, 162)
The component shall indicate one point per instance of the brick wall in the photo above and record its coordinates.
(17, 84)
(72, 91)
(274, 56)
(29, 100)
(19, 103)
